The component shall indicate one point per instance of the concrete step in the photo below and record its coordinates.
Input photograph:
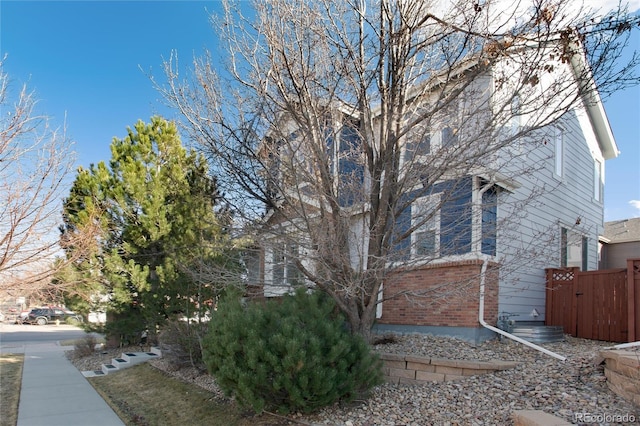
(135, 357)
(126, 359)
(539, 334)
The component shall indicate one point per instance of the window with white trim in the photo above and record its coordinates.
(515, 114)
(425, 219)
(573, 249)
(597, 180)
(344, 152)
(417, 147)
(449, 136)
(284, 272)
(449, 121)
(558, 152)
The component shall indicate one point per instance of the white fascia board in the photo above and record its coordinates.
(594, 106)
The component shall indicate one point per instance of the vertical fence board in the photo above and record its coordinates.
(611, 310)
(559, 298)
(621, 319)
(633, 299)
(636, 274)
(599, 305)
(588, 320)
(550, 315)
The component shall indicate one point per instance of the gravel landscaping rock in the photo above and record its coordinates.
(571, 390)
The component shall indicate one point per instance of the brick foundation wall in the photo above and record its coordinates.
(448, 295)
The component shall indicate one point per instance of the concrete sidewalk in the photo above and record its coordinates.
(55, 393)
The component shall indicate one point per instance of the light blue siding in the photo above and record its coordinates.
(532, 216)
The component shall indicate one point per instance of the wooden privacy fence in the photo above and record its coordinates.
(599, 305)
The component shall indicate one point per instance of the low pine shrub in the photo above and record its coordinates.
(294, 354)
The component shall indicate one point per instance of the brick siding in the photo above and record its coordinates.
(446, 295)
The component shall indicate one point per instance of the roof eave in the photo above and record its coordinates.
(595, 109)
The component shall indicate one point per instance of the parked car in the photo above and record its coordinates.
(21, 317)
(42, 316)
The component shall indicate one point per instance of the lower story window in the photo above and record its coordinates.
(573, 250)
(284, 271)
(425, 219)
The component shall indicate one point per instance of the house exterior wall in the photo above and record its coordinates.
(551, 201)
(555, 187)
(616, 255)
(451, 296)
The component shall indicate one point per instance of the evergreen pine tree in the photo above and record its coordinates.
(293, 354)
(155, 208)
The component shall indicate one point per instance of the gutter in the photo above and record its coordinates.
(502, 332)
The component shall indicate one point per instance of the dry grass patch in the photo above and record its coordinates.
(89, 338)
(144, 395)
(10, 383)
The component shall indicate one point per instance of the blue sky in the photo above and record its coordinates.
(85, 60)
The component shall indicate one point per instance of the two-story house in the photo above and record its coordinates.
(478, 209)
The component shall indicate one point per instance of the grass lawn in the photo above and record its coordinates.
(144, 395)
(74, 342)
(10, 381)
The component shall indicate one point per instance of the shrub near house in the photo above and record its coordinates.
(293, 354)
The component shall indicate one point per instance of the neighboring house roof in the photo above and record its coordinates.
(622, 231)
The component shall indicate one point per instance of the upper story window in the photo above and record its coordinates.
(558, 152)
(425, 219)
(515, 114)
(344, 151)
(597, 180)
(449, 136)
(417, 147)
(349, 149)
(450, 119)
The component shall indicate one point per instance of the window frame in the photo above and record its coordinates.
(570, 238)
(598, 187)
(558, 152)
(283, 272)
(431, 203)
(448, 137)
(414, 150)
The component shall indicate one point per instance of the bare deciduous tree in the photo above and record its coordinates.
(358, 124)
(35, 161)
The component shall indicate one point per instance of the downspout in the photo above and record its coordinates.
(624, 345)
(483, 323)
(502, 332)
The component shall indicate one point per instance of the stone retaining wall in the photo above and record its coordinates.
(622, 369)
(409, 369)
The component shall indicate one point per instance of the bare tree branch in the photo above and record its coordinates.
(35, 161)
(335, 120)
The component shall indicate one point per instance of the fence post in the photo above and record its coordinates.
(633, 316)
(574, 301)
(548, 311)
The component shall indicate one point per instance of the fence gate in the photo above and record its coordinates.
(599, 305)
